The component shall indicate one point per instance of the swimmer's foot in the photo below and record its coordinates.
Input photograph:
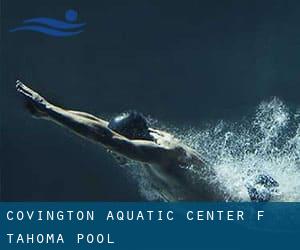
(263, 188)
(34, 103)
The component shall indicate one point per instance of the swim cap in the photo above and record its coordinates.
(132, 125)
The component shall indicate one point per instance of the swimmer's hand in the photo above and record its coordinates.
(35, 103)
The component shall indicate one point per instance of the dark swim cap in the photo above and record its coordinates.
(132, 125)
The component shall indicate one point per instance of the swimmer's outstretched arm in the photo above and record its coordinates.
(95, 129)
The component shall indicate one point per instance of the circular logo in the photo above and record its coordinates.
(71, 15)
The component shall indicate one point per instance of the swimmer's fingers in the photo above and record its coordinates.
(28, 93)
(37, 102)
(24, 90)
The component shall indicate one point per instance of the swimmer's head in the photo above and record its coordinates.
(132, 125)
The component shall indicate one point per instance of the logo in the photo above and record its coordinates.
(53, 27)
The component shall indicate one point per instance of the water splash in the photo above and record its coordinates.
(267, 142)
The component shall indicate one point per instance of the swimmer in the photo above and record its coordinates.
(129, 136)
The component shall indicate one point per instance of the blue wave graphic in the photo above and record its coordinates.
(53, 23)
(47, 31)
(53, 27)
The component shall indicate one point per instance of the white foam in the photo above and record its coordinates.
(268, 142)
